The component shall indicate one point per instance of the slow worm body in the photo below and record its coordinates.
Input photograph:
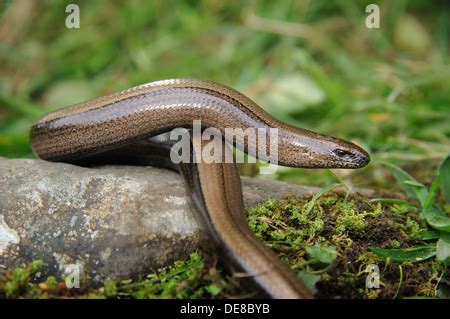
(121, 128)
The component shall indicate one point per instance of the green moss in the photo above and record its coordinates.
(413, 228)
(446, 208)
(349, 218)
(368, 258)
(15, 283)
(395, 244)
(184, 279)
(110, 289)
(400, 209)
(347, 227)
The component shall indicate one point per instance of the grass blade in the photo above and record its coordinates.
(431, 195)
(412, 254)
(411, 187)
(429, 235)
(313, 200)
(444, 172)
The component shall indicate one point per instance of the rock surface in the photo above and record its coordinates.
(112, 221)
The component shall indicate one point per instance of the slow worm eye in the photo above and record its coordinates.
(341, 153)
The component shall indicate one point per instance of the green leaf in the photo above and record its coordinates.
(431, 195)
(429, 235)
(443, 249)
(414, 184)
(444, 172)
(323, 254)
(413, 254)
(437, 218)
(411, 187)
(309, 280)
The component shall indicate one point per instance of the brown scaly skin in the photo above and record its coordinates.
(116, 129)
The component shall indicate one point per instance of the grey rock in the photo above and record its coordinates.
(112, 222)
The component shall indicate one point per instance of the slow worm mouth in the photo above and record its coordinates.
(363, 161)
(361, 158)
(356, 161)
(354, 156)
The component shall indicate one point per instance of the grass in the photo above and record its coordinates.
(312, 64)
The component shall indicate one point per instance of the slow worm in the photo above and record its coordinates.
(121, 128)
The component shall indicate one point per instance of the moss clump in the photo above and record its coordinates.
(184, 279)
(349, 218)
(16, 283)
(196, 277)
(349, 226)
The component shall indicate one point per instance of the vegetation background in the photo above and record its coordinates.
(310, 63)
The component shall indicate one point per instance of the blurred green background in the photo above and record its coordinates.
(313, 64)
